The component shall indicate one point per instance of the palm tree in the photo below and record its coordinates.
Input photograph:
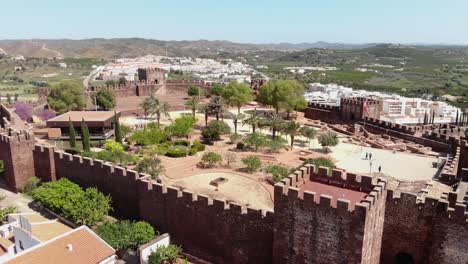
(148, 105)
(161, 108)
(193, 103)
(292, 129)
(328, 139)
(275, 122)
(309, 133)
(203, 108)
(216, 106)
(253, 120)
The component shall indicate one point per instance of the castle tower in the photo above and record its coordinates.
(152, 75)
(16, 154)
(328, 219)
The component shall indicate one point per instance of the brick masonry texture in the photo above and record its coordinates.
(302, 229)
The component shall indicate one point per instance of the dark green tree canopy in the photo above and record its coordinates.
(105, 99)
(237, 94)
(285, 95)
(66, 96)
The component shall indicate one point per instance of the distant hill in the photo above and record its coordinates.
(134, 47)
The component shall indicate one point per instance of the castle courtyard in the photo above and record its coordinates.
(400, 165)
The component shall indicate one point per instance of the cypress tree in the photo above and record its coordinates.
(118, 130)
(85, 136)
(72, 139)
(425, 118)
(456, 119)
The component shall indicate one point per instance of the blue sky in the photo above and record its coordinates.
(256, 21)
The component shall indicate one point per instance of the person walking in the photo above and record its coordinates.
(380, 168)
(370, 156)
(367, 155)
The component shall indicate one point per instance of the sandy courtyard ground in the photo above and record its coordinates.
(403, 166)
(253, 195)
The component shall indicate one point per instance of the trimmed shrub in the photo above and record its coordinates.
(240, 145)
(177, 151)
(165, 254)
(182, 142)
(31, 184)
(198, 146)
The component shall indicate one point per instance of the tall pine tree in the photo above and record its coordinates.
(72, 133)
(118, 130)
(85, 136)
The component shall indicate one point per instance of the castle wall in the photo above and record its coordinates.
(183, 85)
(211, 229)
(450, 236)
(307, 231)
(16, 153)
(324, 112)
(118, 182)
(427, 230)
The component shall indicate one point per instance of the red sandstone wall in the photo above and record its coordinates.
(322, 112)
(16, 153)
(210, 229)
(44, 163)
(307, 232)
(423, 229)
(5, 116)
(450, 236)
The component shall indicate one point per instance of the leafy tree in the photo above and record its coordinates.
(122, 81)
(237, 94)
(24, 111)
(109, 82)
(85, 138)
(151, 135)
(282, 94)
(212, 158)
(66, 96)
(308, 133)
(142, 233)
(151, 165)
(278, 172)
(66, 198)
(105, 99)
(255, 140)
(46, 114)
(292, 129)
(118, 235)
(117, 128)
(72, 138)
(193, 103)
(215, 129)
(253, 120)
(275, 122)
(328, 139)
(181, 127)
(9, 101)
(16, 97)
(193, 91)
(253, 163)
(165, 254)
(217, 89)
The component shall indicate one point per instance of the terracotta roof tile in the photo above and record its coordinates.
(87, 247)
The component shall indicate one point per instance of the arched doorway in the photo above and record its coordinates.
(404, 258)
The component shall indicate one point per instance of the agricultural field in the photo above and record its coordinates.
(428, 72)
(22, 77)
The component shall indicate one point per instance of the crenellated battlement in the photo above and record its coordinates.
(291, 187)
(12, 136)
(150, 188)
